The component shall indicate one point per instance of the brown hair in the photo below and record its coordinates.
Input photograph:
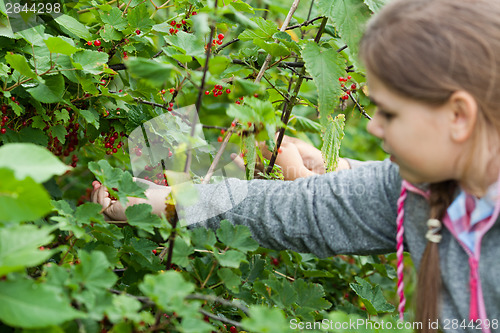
(427, 50)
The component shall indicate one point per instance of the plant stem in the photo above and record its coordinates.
(288, 105)
(283, 28)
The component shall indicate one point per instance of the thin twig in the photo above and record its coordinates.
(216, 160)
(305, 24)
(211, 298)
(283, 28)
(221, 319)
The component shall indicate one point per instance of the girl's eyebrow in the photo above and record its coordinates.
(375, 102)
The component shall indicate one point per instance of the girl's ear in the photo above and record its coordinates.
(463, 115)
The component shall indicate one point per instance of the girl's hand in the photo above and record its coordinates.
(113, 209)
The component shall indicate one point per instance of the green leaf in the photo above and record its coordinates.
(181, 253)
(88, 213)
(27, 304)
(283, 293)
(138, 17)
(60, 45)
(218, 64)
(94, 272)
(186, 43)
(61, 115)
(59, 131)
(230, 258)
(167, 289)
(90, 116)
(230, 279)
(151, 70)
(310, 295)
(375, 5)
(203, 238)
(92, 62)
(20, 247)
(27, 159)
(325, 66)
(49, 92)
(349, 17)
(109, 33)
(265, 320)
(242, 6)
(266, 29)
(237, 237)
(124, 307)
(114, 18)
(21, 200)
(332, 138)
(372, 297)
(274, 49)
(20, 64)
(140, 216)
(74, 27)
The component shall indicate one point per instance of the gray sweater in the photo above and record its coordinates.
(350, 212)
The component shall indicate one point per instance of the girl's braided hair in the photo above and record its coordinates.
(427, 50)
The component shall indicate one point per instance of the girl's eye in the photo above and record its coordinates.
(386, 115)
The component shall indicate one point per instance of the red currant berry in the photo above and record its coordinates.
(176, 31)
(345, 97)
(228, 91)
(220, 36)
(89, 43)
(207, 92)
(256, 95)
(97, 43)
(342, 85)
(238, 102)
(178, 25)
(171, 30)
(13, 99)
(103, 82)
(233, 124)
(219, 139)
(222, 131)
(163, 91)
(341, 79)
(184, 22)
(169, 109)
(194, 13)
(172, 90)
(275, 261)
(349, 77)
(173, 23)
(171, 104)
(241, 98)
(219, 42)
(3, 131)
(115, 150)
(233, 329)
(138, 152)
(353, 86)
(154, 251)
(138, 31)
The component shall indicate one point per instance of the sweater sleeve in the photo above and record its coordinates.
(345, 212)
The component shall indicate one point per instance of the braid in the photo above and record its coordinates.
(429, 275)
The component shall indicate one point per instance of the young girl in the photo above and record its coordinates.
(433, 69)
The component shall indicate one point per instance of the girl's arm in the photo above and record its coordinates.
(349, 212)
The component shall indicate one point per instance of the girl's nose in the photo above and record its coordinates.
(374, 127)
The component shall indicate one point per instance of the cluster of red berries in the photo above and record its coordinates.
(347, 91)
(219, 39)
(171, 90)
(217, 90)
(97, 43)
(176, 26)
(69, 146)
(111, 139)
(158, 177)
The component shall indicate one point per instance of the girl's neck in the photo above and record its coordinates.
(478, 183)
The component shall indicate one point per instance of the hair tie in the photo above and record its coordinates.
(433, 234)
